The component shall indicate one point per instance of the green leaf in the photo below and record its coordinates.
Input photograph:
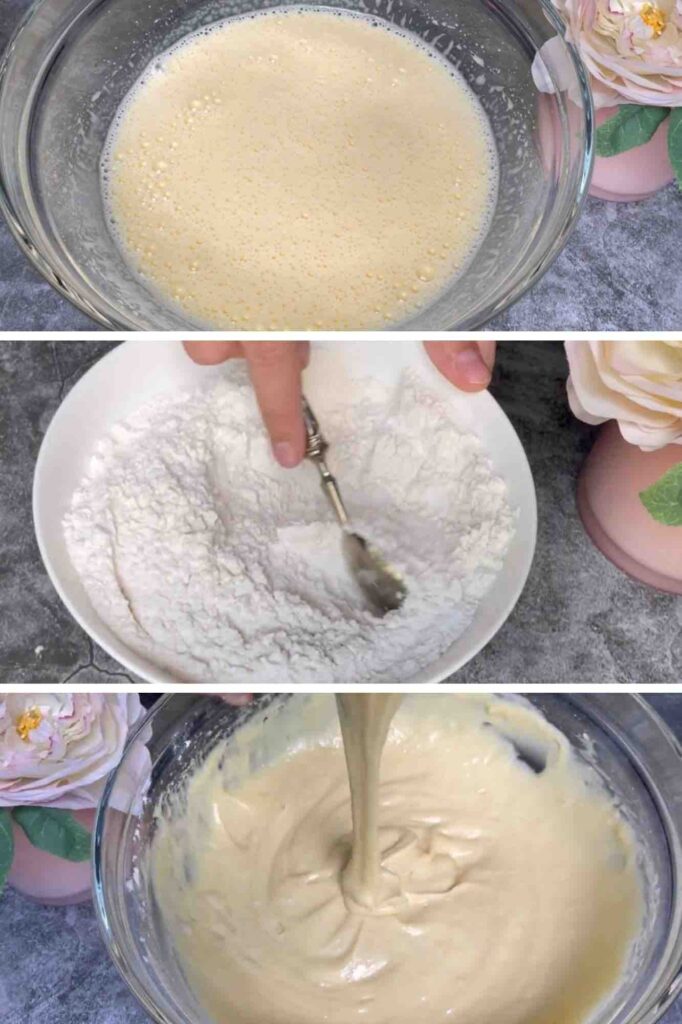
(631, 126)
(54, 831)
(675, 143)
(6, 846)
(663, 500)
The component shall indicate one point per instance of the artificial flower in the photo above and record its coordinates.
(632, 49)
(58, 749)
(637, 383)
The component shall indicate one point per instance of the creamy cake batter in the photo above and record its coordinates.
(300, 169)
(365, 719)
(503, 893)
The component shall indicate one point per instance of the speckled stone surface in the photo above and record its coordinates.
(54, 969)
(621, 270)
(578, 620)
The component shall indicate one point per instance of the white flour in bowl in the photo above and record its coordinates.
(206, 557)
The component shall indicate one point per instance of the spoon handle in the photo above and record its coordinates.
(316, 447)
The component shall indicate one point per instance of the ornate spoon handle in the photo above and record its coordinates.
(316, 448)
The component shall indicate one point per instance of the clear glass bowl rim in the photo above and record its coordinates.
(660, 999)
(542, 261)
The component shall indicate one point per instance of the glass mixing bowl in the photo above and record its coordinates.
(72, 61)
(619, 734)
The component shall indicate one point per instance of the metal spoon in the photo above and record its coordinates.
(382, 586)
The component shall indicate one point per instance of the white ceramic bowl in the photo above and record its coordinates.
(138, 370)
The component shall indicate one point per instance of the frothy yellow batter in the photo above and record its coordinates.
(300, 169)
(505, 894)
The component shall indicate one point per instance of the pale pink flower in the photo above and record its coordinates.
(637, 383)
(632, 48)
(59, 748)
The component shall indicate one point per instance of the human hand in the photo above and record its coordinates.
(466, 364)
(275, 369)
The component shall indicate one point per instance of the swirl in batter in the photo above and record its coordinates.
(496, 892)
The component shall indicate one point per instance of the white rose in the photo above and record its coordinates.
(58, 749)
(632, 48)
(637, 383)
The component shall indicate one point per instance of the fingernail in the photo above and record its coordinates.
(286, 454)
(470, 365)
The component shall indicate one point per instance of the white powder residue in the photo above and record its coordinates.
(206, 557)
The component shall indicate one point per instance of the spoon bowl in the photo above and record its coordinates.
(380, 583)
(383, 587)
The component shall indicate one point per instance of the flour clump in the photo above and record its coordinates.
(206, 557)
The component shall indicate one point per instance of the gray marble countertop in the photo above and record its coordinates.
(621, 270)
(54, 969)
(578, 620)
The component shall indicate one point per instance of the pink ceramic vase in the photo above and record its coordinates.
(635, 174)
(48, 879)
(616, 520)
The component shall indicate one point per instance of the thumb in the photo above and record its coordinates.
(209, 353)
(466, 364)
